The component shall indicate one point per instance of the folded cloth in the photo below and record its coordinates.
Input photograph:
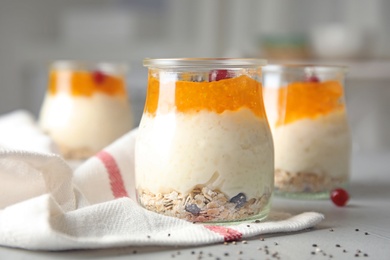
(45, 205)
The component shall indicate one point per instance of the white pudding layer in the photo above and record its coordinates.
(86, 123)
(231, 152)
(317, 146)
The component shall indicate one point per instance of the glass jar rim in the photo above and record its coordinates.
(204, 62)
(305, 68)
(108, 67)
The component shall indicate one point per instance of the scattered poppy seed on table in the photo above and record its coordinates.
(337, 245)
(356, 229)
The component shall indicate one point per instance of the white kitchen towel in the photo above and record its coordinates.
(45, 205)
(19, 130)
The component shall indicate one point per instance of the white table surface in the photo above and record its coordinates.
(361, 230)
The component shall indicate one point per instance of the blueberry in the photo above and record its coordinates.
(192, 208)
(239, 200)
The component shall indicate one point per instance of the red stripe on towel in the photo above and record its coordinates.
(116, 181)
(228, 234)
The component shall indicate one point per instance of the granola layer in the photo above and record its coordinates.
(203, 204)
(75, 153)
(307, 182)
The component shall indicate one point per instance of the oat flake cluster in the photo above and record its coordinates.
(203, 204)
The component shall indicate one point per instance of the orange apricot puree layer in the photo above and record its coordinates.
(217, 96)
(84, 83)
(309, 100)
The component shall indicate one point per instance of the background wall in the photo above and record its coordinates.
(33, 33)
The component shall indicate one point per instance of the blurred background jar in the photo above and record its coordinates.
(204, 149)
(306, 109)
(86, 107)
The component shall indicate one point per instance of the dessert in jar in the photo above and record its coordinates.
(307, 115)
(86, 107)
(204, 149)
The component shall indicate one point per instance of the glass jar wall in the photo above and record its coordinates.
(204, 149)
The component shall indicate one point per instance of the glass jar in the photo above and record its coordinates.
(204, 149)
(307, 114)
(86, 107)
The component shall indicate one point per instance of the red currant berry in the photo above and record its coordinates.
(339, 197)
(98, 76)
(312, 78)
(216, 75)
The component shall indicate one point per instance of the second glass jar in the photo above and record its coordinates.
(86, 107)
(307, 114)
(204, 150)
